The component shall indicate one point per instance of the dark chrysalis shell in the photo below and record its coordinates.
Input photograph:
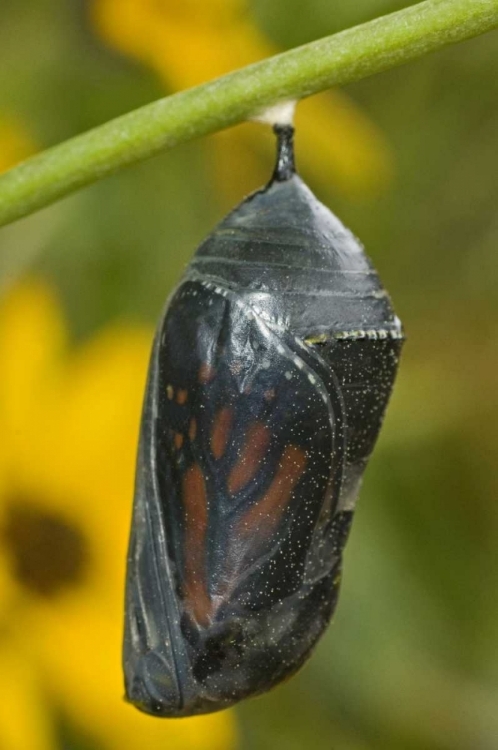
(271, 370)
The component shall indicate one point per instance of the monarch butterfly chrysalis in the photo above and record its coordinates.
(270, 373)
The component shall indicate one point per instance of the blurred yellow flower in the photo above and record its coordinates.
(69, 423)
(16, 143)
(192, 41)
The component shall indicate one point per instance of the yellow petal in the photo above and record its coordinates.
(32, 336)
(186, 43)
(25, 722)
(88, 448)
(7, 586)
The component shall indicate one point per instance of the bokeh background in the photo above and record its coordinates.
(408, 160)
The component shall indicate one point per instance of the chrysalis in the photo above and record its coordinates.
(271, 370)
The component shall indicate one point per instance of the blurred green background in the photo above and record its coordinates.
(408, 160)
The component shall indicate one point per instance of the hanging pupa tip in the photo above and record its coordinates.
(281, 117)
(285, 166)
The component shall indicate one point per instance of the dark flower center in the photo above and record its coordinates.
(48, 554)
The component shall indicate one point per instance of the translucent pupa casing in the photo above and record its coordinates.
(269, 377)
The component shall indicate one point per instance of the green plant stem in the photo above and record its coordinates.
(348, 56)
